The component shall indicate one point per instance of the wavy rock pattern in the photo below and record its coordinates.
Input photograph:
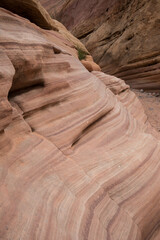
(76, 159)
(33, 10)
(122, 36)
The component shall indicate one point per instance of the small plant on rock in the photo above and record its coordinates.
(81, 54)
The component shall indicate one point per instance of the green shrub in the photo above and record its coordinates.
(81, 54)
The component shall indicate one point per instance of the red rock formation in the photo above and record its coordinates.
(32, 10)
(90, 65)
(76, 161)
(122, 36)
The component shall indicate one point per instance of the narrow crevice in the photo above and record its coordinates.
(130, 37)
(25, 89)
(137, 65)
(57, 50)
(146, 57)
(32, 129)
(114, 35)
(86, 34)
(87, 129)
(27, 114)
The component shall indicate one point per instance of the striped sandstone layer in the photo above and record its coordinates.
(77, 161)
(33, 10)
(122, 36)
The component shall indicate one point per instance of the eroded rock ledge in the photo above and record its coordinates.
(77, 160)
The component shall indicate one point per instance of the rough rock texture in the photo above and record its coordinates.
(32, 10)
(64, 32)
(76, 159)
(122, 36)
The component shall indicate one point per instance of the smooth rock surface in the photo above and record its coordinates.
(90, 65)
(76, 159)
(122, 36)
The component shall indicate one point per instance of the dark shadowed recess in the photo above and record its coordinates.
(27, 9)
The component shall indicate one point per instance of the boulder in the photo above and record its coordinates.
(89, 64)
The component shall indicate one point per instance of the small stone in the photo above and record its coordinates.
(141, 90)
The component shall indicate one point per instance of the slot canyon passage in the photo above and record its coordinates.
(79, 156)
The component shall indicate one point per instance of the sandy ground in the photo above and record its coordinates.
(151, 103)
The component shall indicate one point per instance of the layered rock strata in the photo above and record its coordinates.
(32, 10)
(122, 36)
(76, 159)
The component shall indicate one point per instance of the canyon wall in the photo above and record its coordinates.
(122, 36)
(78, 158)
(33, 11)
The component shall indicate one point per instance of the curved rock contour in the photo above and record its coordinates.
(32, 10)
(76, 159)
(122, 36)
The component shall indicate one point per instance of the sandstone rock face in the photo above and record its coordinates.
(67, 35)
(76, 159)
(122, 36)
(32, 10)
(90, 65)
